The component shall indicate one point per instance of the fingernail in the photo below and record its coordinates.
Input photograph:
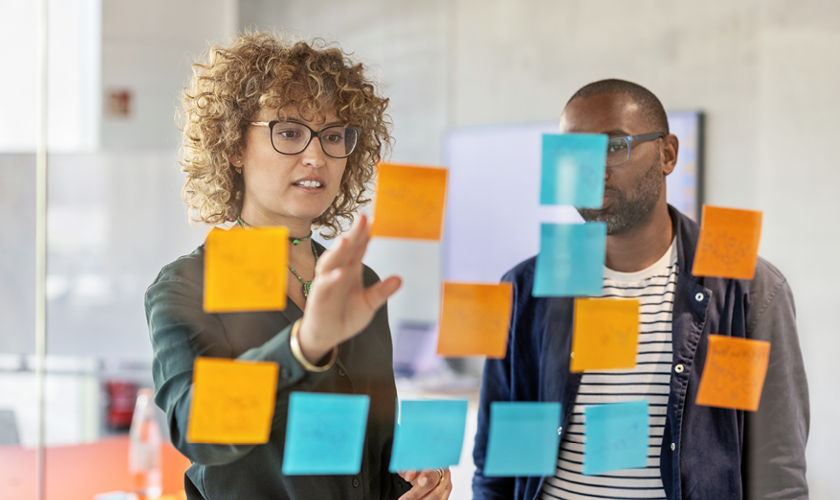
(422, 481)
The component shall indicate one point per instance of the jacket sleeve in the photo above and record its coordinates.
(495, 386)
(181, 331)
(775, 435)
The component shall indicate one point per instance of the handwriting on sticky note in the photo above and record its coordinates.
(245, 269)
(409, 202)
(734, 373)
(429, 435)
(232, 401)
(474, 319)
(523, 439)
(616, 437)
(728, 243)
(605, 334)
(571, 260)
(573, 168)
(325, 433)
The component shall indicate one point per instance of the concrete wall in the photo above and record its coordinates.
(147, 48)
(764, 71)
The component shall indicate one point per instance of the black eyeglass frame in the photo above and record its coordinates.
(630, 139)
(312, 134)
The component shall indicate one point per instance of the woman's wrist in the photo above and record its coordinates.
(309, 353)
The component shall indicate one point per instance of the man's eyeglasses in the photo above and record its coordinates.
(291, 138)
(618, 148)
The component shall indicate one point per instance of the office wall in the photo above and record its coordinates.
(74, 44)
(764, 71)
(147, 49)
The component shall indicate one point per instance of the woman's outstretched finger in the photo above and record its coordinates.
(377, 294)
(333, 258)
(357, 241)
(361, 238)
(344, 252)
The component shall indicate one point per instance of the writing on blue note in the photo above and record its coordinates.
(325, 433)
(571, 260)
(616, 437)
(573, 169)
(523, 439)
(429, 435)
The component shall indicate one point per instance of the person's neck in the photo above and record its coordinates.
(641, 246)
(298, 228)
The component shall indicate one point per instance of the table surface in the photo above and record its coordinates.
(78, 472)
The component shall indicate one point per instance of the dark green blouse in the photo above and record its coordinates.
(181, 331)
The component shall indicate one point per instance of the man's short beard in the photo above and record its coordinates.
(625, 214)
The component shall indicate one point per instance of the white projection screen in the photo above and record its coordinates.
(493, 213)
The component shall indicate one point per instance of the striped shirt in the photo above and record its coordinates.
(650, 379)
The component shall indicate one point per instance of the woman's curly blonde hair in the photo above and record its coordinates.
(231, 85)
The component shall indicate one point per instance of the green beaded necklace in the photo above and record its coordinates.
(306, 285)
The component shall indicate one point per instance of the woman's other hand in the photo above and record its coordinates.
(339, 306)
(428, 485)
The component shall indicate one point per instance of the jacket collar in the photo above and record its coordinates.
(687, 233)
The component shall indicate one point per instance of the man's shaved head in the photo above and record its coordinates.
(649, 106)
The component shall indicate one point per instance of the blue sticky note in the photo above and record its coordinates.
(616, 437)
(429, 435)
(573, 169)
(325, 433)
(523, 439)
(571, 260)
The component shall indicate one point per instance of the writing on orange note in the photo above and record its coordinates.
(232, 401)
(475, 319)
(734, 373)
(410, 202)
(728, 243)
(605, 334)
(245, 269)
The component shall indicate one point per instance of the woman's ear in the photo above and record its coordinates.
(237, 162)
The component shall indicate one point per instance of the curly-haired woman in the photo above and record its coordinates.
(284, 133)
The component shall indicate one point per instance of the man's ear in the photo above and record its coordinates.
(668, 153)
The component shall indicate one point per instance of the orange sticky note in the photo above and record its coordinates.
(409, 202)
(232, 401)
(474, 319)
(605, 335)
(734, 373)
(245, 269)
(728, 244)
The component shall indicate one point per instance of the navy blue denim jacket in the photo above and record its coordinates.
(707, 453)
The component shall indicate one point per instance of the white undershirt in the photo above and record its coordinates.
(650, 380)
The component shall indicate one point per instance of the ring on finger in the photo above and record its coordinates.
(440, 471)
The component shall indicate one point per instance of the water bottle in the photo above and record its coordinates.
(144, 450)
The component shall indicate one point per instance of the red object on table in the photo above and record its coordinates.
(80, 471)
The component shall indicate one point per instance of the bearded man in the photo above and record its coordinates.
(695, 452)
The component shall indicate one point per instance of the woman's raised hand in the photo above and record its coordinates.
(339, 306)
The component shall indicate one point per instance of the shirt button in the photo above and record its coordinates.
(559, 431)
(342, 372)
(699, 297)
(673, 447)
(285, 372)
(679, 368)
(355, 482)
